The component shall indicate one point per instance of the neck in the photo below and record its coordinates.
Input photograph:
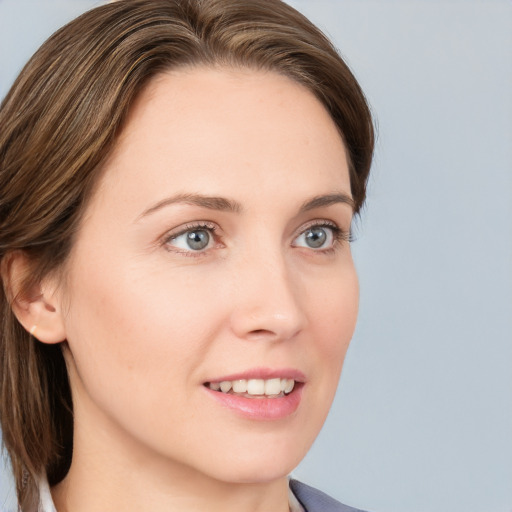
(138, 493)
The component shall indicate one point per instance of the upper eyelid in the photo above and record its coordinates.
(320, 223)
(189, 226)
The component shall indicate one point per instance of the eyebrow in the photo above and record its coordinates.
(327, 200)
(229, 205)
(209, 202)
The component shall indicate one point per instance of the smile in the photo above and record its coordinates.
(254, 388)
(261, 394)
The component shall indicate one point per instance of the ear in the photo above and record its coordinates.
(37, 306)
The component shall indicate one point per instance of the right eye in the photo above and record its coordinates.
(193, 239)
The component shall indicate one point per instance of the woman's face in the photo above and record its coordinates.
(214, 250)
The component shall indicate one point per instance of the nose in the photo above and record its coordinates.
(268, 304)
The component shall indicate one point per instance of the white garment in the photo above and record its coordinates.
(46, 501)
(45, 497)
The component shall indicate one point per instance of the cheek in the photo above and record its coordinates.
(336, 308)
(130, 328)
(334, 314)
(138, 346)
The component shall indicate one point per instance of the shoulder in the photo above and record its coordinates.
(314, 500)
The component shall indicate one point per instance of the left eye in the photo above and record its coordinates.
(196, 239)
(316, 237)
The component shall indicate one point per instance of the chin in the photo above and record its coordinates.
(257, 472)
(263, 459)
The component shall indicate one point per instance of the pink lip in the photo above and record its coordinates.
(262, 409)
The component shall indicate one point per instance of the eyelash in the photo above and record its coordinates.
(340, 236)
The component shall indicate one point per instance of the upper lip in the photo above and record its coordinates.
(263, 373)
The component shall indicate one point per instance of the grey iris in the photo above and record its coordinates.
(198, 240)
(316, 237)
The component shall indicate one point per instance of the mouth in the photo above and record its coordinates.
(277, 387)
(260, 394)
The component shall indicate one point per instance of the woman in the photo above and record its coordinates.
(178, 180)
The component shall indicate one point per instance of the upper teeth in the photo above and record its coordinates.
(254, 386)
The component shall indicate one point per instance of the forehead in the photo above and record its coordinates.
(219, 130)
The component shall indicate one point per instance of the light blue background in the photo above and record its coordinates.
(423, 418)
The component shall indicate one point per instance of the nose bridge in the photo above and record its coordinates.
(268, 302)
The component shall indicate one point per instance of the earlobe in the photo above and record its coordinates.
(37, 306)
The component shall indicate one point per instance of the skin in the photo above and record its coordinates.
(148, 321)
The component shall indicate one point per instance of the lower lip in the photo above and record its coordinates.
(263, 409)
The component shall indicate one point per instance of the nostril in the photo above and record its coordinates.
(262, 334)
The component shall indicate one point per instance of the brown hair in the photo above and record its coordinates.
(59, 122)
